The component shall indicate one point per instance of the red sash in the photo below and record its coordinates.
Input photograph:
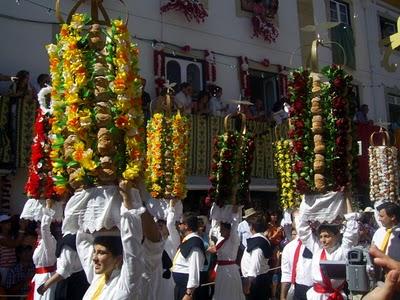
(44, 270)
(295, 261)
(41, 270)
(220, 244)
(327, 288)
(226, 262)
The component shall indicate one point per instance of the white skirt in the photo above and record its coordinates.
(228, 284)
(38, 280)
(166, 289)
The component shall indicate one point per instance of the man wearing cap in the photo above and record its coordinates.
(387, 238)
(244, 227)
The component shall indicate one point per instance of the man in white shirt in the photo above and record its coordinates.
(295, 267)
(183, 99)
(189, 259)
(387, 238)
(244, 227)
(254, 264)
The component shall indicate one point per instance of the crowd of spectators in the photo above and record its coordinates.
(17, 243)
(207, 102)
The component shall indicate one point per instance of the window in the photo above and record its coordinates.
(388, 27)
(180, 70)
(264, 86)
(339, 12)
(342, 34)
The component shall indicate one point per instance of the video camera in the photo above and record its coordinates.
(359, 271)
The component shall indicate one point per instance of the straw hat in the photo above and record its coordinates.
(249, 212)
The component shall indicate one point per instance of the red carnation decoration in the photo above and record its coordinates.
(338, 82)
(302, 186)
(298, 106)
(299, 124)
(291, 133)
(298, 166)
(298, 146)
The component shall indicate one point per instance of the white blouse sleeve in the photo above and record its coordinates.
(255, 262)
(350, 235)
(286, 266)
(84, 247)
(48, 241)
(196, 262)
(173, 232)
(133, 263)
(66, 263)
(306, 235)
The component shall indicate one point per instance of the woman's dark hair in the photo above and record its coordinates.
(258, 222)
(112, 243)
(227, 226)
(334, 229)
(190, 219)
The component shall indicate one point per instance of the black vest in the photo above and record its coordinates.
(259, 242)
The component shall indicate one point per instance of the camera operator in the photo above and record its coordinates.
(391, 288)
(386, 237)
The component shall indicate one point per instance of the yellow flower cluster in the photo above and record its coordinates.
(180, 149)
(283, 165)
(69, 75)
(127, 87)
(167, 150)
(154, 159)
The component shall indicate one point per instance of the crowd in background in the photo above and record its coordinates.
(18, 240)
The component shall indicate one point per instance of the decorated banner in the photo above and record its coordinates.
(231, 166)
(383, 169)
(97, 132)
(167, 152)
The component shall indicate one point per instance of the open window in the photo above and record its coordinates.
(180, 70)
(264, 86)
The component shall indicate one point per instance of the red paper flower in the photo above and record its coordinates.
(299, 124)
(302, 186)
(298, 146)
(298, 106)
(298, 166)
(265, 62)
(186, 48)
(291, 133)
(338, 83)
